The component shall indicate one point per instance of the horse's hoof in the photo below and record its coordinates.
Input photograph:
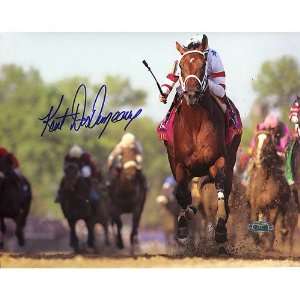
(134, 241)
(120, 245)
(223, 251)
(221, 232)
(182, 241)
(182, 230)
(91, 244)
(190, 212)
(21, 242)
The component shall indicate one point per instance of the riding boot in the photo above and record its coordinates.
(171, 107)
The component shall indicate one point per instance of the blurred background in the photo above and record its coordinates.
(262, 71)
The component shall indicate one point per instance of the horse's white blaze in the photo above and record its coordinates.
(261, 138)
(192, 59)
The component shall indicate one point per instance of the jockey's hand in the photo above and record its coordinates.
(163, 98)
(281, 154)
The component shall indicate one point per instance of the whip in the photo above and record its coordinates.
(157, 83)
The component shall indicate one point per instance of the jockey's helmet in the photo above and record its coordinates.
(76, 151)
(193, 41)
(271, 121)
(3, 151)
(128, 139)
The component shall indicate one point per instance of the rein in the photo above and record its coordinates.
(203, 82)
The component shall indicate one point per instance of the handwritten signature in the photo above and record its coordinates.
(54, 121)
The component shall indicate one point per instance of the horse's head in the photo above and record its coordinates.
(72, 173)
(130, 166)
(193, 68)
(264, 146)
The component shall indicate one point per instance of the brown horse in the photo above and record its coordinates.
(15, 199)
(76, 205)
(268, 190)
(127, 195)
(199, 147)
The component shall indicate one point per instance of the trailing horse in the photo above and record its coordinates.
(127, 195)
(76, 205)
(268, 190)
(15, 199)
(199, 145)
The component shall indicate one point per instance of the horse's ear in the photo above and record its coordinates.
(180, 48)
(204, 42)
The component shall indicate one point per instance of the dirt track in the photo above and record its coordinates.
(144, 261)
(50, 249)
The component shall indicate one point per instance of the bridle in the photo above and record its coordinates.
(204, 81)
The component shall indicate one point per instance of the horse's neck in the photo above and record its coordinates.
(206, 110)
(272, 164)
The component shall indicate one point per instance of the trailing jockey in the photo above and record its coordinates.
(114, 161)
(88, 170)
(281, 134)
(280, 130)
(14, 171)
(216, 84)
(291, 164)
(294, 116)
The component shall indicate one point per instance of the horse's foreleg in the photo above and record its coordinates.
(184, 199)
(2, 232)
(136, 217)
(20, 224)
(117, 220)
(74, 243)
(2, 226)
(217, 171)
(91, 237)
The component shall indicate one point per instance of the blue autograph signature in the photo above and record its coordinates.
(54, 121)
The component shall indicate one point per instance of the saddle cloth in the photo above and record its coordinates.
(165, 129)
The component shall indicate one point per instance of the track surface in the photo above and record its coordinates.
(142, 261)
(50, 249)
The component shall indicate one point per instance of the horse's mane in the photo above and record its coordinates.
(271, 160)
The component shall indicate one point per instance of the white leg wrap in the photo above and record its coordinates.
(221, 212)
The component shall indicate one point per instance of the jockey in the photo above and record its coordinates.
(87, 167)
(280, 130)
(216, 80)
(168, 189)
(294, 116)
(282, 137)
(128, 140)
(15, 168)
(84, 160)
(13, 160)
